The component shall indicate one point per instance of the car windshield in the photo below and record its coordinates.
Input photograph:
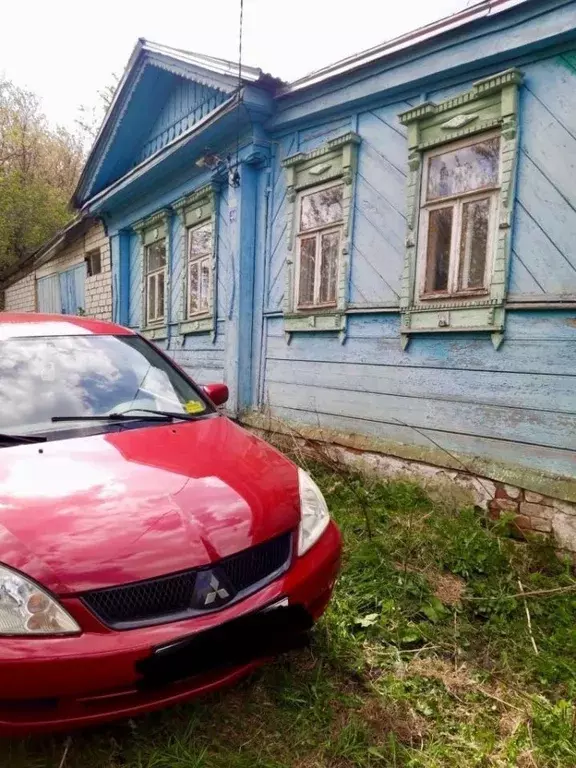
(77, 376)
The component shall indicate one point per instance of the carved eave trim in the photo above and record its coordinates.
(160, 218)
(480, 89)
(203, 194)
(330, 146)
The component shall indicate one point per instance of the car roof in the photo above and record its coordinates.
(27, 324)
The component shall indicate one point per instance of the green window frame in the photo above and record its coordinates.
(317, 267)
(460, 203)
(154, 232)
(198, 219)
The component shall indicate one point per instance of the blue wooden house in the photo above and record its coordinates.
(384, 249)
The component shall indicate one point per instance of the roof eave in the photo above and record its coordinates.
(411, 39)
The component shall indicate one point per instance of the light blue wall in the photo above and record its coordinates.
(451, 393)
(448, 397)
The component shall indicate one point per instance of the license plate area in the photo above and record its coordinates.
(259, 635)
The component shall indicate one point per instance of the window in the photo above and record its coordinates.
(155, 285)
(200, 249)
(462, 158)
(319, 237)
(93, 263)
(459, 210)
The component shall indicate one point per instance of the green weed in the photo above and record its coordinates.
(424, 659)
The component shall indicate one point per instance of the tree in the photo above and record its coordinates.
(39, 167)
(91, 117)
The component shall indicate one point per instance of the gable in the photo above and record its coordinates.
(164, 92)
(158, 106)
(186, 103)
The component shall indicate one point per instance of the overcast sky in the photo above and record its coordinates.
(66, 50)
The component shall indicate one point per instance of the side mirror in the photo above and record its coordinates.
(218, 393)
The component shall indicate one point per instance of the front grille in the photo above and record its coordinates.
(169, 597)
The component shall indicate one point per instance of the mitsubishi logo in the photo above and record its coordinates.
(217, 591)
(212, 589)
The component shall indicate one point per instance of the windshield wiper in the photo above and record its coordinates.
(6, 439)
(144, 414)
(167, 414)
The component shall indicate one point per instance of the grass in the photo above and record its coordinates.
(425, 658)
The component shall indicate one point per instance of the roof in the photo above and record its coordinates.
(19, 325)
(225, 74)
(50, 249)
(476, 12)
(218, 66)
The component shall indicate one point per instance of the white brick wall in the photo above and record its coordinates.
(21, 297)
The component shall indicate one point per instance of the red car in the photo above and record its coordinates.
(150, 548)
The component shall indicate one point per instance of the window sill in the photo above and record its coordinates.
(203, 324)
(461, 296)
(155, 333)
(314, 320)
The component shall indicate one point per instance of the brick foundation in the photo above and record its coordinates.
(532, 513)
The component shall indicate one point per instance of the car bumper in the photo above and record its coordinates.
(63, 683)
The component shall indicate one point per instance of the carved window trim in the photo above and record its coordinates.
(154, 229)
(490, 108)
(198, 208)
(333, 163)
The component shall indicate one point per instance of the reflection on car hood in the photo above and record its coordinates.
(97, 511)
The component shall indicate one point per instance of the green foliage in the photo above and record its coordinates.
(39, 167)
(423, 660)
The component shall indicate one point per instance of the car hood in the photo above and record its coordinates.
(92, 512)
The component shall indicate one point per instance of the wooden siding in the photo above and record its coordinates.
(458, 393)
(450, 391)
(187, 102)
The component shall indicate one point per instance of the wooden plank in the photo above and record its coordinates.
(552, 460)
(312, 138)
(556, 155)
(474, 354)
(135, 282)
(546, 265)
(553, 83)
(552, 214)
(518, 390)
(527, 426)
(522, 282)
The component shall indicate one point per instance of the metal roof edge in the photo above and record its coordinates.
(483, 9)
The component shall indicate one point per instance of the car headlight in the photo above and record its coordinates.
(26, 609)
(314, 512)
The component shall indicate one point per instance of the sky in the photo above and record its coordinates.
(66, 50)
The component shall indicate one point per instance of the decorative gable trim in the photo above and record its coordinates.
(490, 105)
(334, 161)
(223, 83)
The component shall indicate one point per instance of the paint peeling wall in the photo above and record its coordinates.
(453, 393)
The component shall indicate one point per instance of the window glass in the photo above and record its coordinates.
(156, 256)
(439, 242)
(200, 240)
(204, 283)
(329, 267)
(463, 170)
(320, 208)
(474, 243)
(307, 270)
(88, 375)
